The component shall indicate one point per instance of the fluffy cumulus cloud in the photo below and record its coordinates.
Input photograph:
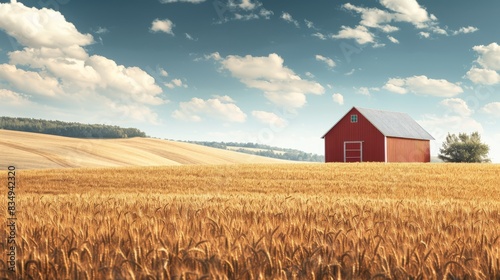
(270, 119)
(279, 83)
(54, 66)
(492, 108)
(220, 107)
(373, 17)
(483, 76)
(360, 34)
(328, 61)
(384, 20)
(338, 98)
(423, 86)
(37, 28)
(486, 71)
(162, 25)
(457, 106)
(29, 81)
(13, 98)
(489, 56)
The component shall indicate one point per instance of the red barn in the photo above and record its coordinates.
(374, 135)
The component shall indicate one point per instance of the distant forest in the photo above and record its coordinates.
(69, 129)
(264, 150)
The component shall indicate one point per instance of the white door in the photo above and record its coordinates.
(353, 151)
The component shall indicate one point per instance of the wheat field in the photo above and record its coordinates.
(259, 221)
(39, 151)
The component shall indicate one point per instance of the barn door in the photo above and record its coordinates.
(353, 151)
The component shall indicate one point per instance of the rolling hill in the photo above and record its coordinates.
(28, 150)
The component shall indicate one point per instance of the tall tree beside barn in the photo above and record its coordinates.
(464, 148)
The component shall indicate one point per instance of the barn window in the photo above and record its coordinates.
(354, 118)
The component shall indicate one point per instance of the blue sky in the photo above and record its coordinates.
(274, 72)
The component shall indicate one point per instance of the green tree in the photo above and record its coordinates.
(464, 148)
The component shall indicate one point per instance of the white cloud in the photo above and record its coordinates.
(189, 37)
(270, 119)
(423, 86)
(279, 83)
(424, 34)
(373, 17)
(364, 91)
(221, 108)
(238, 16)
(40, 27)
(483, 76)
(438, 30)
(489, 60)
(338, 98)
(186, 1)
(162, 25)
(175, 83)
(28, 81)
(458, 106)
(492, 108)
(310, 75)
(409, 11)
(392, 39)
(350, 72)
(244, 10)
(13, 98)
(328, 61)
(139, 85)
(101, 30)
(466, 30)
(396, 85)
(396, 11)
(248, 5)
(266, 14)
(360, 34)
(224, 98)
(319, 36)
(163, 72)
(288, 18)
(54, 68)
(489, 56)
(309, 24)
(213, 56)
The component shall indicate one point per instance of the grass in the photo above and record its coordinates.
(287, 221)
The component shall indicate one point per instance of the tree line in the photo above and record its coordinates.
(69, 129)
(264, 150)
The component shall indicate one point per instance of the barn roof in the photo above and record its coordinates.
(393, 124)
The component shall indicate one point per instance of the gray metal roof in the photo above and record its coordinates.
(394, 124)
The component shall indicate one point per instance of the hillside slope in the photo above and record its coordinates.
(36, 151)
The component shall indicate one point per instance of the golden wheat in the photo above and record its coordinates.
(293, 221)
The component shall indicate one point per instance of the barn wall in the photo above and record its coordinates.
(363, 130)
(408, 150)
